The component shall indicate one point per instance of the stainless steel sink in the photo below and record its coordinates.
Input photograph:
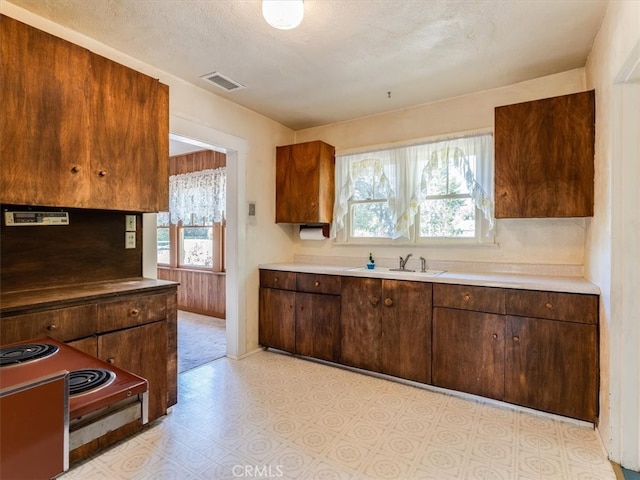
(394, 272)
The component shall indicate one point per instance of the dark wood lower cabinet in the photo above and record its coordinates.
(277, 322)
(406, 330)
(468, 351)
(552, 366)
(360, 323)
(318, 326)
(141, 350)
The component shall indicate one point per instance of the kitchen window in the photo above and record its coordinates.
(434, 192)
(192, 233)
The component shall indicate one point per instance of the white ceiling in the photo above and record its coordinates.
(345, 57)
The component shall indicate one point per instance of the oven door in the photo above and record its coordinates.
(34, 428)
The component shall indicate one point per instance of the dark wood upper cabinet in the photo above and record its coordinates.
(544, 157)
(305, 183)
(79, 130)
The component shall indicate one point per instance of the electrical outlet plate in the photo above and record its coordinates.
(130, 223)
(251, 212)
(130, 240)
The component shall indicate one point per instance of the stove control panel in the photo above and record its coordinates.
(26, 219)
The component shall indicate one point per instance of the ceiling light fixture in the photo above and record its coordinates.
(283, 14)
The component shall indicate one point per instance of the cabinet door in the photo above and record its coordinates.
(360, 322)
(406, 330)
(277, 327)
(318, 326)
(544, 157)
(305, 183)
(125, 139)
(468, 351)
(44, 118)
(552, 366)
(143, 351)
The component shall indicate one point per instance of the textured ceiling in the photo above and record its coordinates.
(346, 55)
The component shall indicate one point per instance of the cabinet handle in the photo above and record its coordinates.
(276, 280)
(549, 305)
(102, 173)
(111, 360)
(374, 300)
(495, 335)
(135, 312)
(466, 297)
(388, 302)
(75, 169)
(316, 283)
(52, 327)
(516, 338)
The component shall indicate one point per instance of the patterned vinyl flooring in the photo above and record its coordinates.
(271, 415)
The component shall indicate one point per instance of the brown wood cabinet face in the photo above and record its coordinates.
(318, 326)
(312, 283)
(360, 323)
(277, 279)
(124, 138)
(44, 118)
(468, 351)
(131, 312)
(544, 157)
(87, 345)
(552, 366)
(63, 324)
(571, 307)
(406, 330)
(305, 183)
(466, 297)
(277, 323)
(141, 350)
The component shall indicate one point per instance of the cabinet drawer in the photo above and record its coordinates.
(278, 279)
(464, 297)
(131, 312)
(571, 307)
(308, 282)
(63, 324)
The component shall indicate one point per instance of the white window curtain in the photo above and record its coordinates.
(404, 169)
(198, 197)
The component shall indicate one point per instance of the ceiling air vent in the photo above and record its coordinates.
(222, 81)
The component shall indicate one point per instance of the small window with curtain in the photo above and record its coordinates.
(191, 234)
(438, 191)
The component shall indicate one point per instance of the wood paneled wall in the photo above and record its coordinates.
(89, 249)
(199, 291)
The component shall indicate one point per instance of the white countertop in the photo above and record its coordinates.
(502, 280)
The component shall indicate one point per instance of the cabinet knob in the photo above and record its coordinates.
(549, 305)
(388, 302)
(503, 194)
(102, 173)
(75, 169)
(276, 280)
(516, 338)
(134, 312)
(316, 283)
(111, 360)
(52, 327)
(466, 297)
(374, 300)
(495, 335)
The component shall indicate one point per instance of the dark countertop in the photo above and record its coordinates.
(68, 295)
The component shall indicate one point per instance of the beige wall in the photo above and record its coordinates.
(613, 268)
(527, 243)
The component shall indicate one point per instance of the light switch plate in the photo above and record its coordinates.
(251, 213)
(130, 223)
(130, 240)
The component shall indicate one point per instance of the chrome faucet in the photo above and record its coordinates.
(423, 263)
(403, 262)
